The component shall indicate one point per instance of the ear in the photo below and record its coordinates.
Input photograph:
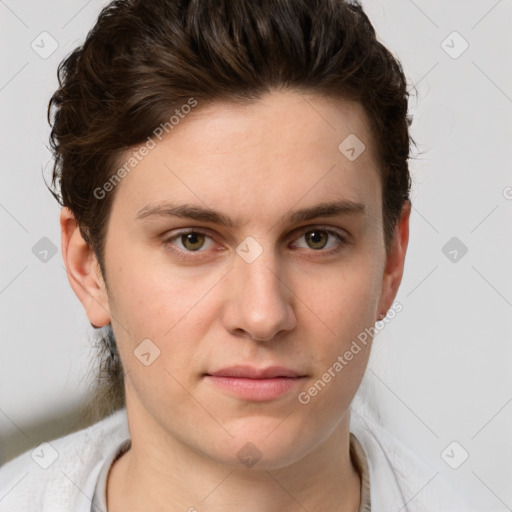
(83, 270)
(395, 260)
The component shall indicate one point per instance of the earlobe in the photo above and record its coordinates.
(83, 270)
(395, 261)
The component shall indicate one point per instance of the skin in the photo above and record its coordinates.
(295, 305)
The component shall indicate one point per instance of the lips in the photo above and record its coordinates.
(249, 372)
(255, 384)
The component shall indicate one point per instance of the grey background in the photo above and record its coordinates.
(441, 369)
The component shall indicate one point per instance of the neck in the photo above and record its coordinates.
(174, 477)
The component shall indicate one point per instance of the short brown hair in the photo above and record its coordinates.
(142, 60)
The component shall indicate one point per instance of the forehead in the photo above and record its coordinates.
(284, 149)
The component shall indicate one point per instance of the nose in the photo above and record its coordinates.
(261, 302)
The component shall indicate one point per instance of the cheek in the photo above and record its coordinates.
(346, 298)
(166, 305)
(152, 297)
(341, 355)
(162, 309)
(345, 307)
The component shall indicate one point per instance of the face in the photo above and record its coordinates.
(219, 254)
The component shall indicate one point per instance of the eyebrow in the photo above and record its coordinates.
(199, 213)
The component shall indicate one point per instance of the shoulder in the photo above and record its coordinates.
(61, 474)
(399, 478)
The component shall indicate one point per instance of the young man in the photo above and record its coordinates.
(235, 186)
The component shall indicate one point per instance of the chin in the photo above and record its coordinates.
(265, 444)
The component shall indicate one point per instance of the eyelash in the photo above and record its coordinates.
(187, 254)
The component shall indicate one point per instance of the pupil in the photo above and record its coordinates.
(317, 236)
(191, 238)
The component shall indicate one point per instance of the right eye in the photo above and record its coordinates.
(191, 240)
